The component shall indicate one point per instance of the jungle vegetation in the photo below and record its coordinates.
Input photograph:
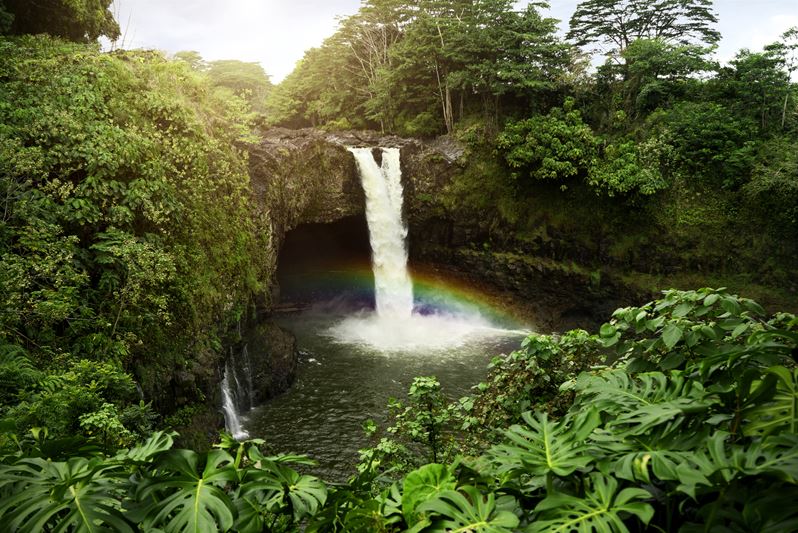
(129, 248)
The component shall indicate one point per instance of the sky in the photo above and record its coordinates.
(276, 33)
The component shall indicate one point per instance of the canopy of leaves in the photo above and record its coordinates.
(410, 67)
(76, 20)
(618, 23)
(126, 231)
(553, 147)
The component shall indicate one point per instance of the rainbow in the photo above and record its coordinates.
(432, 288)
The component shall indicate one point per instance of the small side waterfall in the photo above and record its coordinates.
(235, 397)
(387, 233)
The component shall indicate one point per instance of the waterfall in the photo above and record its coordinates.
(393, 289)
(232, 422)
(395, 326)
(237, 398)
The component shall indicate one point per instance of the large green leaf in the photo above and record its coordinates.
(279, 488)
(543, 448)
(639, 403)
(778, 414)
(422, 485)
(158, 442)
(468, 511)
(78, 495)
(721, 462)
(185, 493)
(602, 510)
(659, 453)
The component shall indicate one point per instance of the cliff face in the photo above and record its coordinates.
(298, 176)
(308, 176)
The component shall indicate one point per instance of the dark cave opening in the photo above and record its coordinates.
(324, 262)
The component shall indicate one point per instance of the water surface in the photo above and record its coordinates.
(340, 385)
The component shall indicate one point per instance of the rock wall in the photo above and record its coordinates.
(308, 176)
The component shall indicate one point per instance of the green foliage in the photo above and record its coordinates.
(603, 510)
(421, 430)
(77, 495)
(554, 147)
(773, 189)
(416, 68)
(424, 484)
(706, 441)
(618, 23)
(246, 80)
(529, 379)
(630, 167)
(127, 233)
(655, 72)
(541, 449)
(468, 510)
(152, 486)
(710, 142)
(76, 20)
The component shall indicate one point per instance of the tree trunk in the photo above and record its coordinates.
(784, 108)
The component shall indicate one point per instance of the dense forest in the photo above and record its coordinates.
(132, 249)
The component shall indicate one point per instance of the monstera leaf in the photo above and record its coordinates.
(781, 412)
(660, 454)
(77, 495)
(602, 510)
(775, 456)
(186, 494)
(543, 448)
(468, 511)
(278, 488)
(640, 403)
(422, 485)
(158, 442)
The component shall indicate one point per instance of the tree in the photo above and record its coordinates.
(193, 58)
(618, 23)
(367, 38)
(551, 147)
(655, 72)
(76, 20)
(481, 48)
(247, 80)
(758, 83)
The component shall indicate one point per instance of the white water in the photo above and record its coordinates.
(395, 327)
(232, 422)
(393, 290)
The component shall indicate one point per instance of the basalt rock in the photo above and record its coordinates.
(305, 176)
(308, 176)
(273, 357)
(298, 176)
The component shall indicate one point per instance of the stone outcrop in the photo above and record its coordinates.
(298, 176)
(273, 356)
(308, 176)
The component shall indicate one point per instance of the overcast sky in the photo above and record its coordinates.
(276, 33)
